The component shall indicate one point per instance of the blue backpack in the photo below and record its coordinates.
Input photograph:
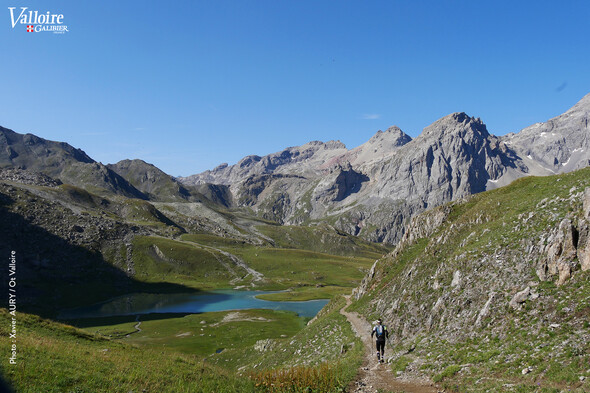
(380, 330)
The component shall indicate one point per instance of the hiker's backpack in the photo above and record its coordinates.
(380, 331)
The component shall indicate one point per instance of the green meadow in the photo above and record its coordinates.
(201, 334)
(181, 353)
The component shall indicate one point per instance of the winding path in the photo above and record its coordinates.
(137, 324)
(372, 375)
(256, 276)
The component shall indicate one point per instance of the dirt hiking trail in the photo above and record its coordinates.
(374, 377)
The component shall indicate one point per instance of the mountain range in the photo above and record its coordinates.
(373, 189)
(487, 292)
(370, 191)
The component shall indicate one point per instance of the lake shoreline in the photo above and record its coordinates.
(190, 303)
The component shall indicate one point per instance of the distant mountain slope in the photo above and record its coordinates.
(373, 189)
(129, 178)
(298, 160)
(159, 186)
(150, 180)
(561, 144)
(60, 161)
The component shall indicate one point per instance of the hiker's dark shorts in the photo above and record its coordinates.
(381, 346)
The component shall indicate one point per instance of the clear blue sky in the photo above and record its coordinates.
(187, 85)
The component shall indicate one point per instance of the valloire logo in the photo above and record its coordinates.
(37, 22)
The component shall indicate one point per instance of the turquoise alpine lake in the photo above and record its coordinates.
(190, 303)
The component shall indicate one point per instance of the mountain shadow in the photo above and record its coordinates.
(53, 274)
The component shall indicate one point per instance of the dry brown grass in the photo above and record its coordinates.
(297, 379)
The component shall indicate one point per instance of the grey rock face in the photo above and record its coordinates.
(559, 253)
(561, 144)
(452, 158)
(293, 160)
(373, 189)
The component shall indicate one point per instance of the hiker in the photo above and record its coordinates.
(381, 333)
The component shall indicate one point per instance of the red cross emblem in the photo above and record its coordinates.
(30, 28)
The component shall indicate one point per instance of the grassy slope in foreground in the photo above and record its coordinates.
(326, 339)
(462, 331)
(57, 358)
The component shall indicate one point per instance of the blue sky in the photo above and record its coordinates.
(187, 85)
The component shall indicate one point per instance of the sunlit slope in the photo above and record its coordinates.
(59, 358)
(492, 290)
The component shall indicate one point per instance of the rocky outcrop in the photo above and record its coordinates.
(27, 177)
(559, 253)
(340, 183)
(583, 246)
(264, 345)
(424, 225)
(363, 288)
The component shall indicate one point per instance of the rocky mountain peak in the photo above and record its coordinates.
(248, 161)
(584, 103)
(560, 144)
(457, 124)
(394, 135)
(332, 145)
(221, 166)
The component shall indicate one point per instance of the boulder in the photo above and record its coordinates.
(520, 298)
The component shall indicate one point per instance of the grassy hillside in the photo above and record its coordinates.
(327, 338)
(308, 274)
(323, 238)
(449, 291)
(59, 358)
(53, 357)
(158, 259)
(202, 334)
